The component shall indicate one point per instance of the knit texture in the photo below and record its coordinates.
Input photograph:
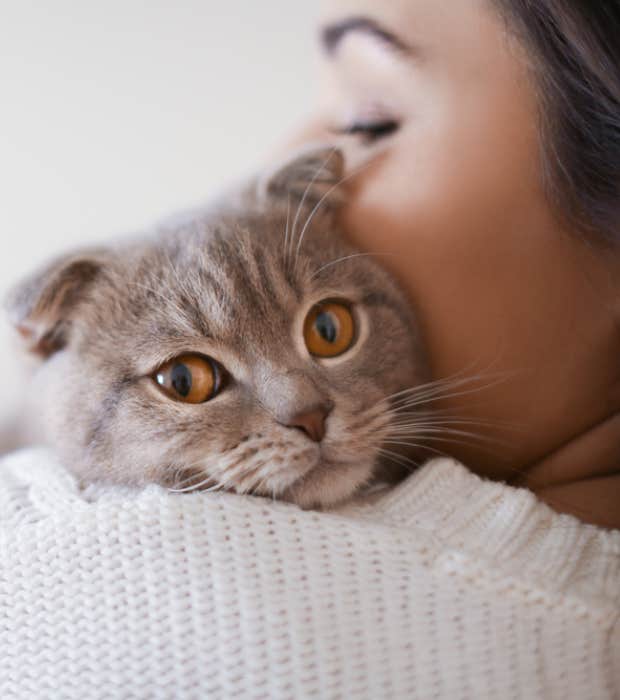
(444, 587)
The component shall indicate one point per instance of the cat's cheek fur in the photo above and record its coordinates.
(70, 400)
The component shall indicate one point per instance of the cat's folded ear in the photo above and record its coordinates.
(313, 176)
(42, 306)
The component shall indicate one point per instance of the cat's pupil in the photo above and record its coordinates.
(181, 379)
(327, 327)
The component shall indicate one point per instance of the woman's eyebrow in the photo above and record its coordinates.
(332, 35)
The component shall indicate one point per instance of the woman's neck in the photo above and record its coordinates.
(582, 477)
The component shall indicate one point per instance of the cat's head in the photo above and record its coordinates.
(250, 349)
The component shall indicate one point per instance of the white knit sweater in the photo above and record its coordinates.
(446, 587)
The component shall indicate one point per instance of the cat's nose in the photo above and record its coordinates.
(311, 422)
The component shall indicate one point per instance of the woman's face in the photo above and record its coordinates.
(445, 112)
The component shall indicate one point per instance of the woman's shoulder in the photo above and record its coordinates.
(502, 530)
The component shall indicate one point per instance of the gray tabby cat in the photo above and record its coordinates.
(249, 349)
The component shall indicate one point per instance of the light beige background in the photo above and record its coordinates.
(115, 113)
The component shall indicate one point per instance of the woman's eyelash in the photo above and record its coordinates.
(371, 131)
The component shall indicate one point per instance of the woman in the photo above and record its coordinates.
(493, 193)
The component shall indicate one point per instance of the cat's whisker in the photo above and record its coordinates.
(450, 384)
(344, 259)
(309, 186)
(428, 427)
(249, 482)
(239, 476)
(377, 422)
(466, 376)
(438, 396)
(403, 394)
(330, 191)
(261, 484)
(444, 417)
(403, 420)
(413, 422)
(216, 488)
(219, 468)
(421, 404)
(398, 458)
(192, 487)
(414, 445)
(287, 230)
(190, 470)
(463, 375)
(453, 441)
(428, 432)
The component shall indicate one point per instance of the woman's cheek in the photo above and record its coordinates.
(402, 202)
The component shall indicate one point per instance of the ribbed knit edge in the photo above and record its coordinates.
(507, 528)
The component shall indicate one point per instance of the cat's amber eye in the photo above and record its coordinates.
(329, 329)
(189, 378)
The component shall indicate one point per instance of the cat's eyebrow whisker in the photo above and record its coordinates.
(309, 186)
(286, 232)
(330, 191)
(177, 277)
(344, 259)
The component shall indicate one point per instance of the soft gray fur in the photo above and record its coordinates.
(235, 285)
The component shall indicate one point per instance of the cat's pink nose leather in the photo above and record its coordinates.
(311, 422)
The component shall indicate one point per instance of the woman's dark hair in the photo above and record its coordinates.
(575, 47)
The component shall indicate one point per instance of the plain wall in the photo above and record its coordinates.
(116, 113)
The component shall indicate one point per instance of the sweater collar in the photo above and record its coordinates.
(505, 529)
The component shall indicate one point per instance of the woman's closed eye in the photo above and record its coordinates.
(370, 131)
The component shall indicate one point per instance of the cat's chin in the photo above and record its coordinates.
(329, 483)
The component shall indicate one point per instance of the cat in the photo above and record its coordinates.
(248, 348)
